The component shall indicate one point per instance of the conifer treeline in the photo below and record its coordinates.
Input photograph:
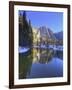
(25, 31)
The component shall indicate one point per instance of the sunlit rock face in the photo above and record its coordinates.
(42, 35)
(36, 36)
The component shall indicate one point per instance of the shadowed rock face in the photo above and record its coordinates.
(59, 35)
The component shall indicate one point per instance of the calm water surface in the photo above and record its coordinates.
(41, 63)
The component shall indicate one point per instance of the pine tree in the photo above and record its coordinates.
(25, 32)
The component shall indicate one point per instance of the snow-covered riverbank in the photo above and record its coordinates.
(23, 49)
(54, 47)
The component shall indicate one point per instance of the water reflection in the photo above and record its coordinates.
(41, 63)
(42, 55)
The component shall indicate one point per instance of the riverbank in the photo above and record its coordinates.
(23, 49)
(54, 47)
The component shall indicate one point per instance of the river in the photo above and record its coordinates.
(41, 63)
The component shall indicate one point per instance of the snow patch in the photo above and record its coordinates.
(23, 49)
(54, 47)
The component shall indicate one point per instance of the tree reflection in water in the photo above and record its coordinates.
(38, 57)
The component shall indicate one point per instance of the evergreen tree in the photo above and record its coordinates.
(25, 32)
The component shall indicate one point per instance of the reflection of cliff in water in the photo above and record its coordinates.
(36, 56)
(42, 55)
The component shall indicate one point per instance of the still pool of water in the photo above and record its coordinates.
(40, 63)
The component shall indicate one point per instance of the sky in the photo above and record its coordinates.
(52, 20)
